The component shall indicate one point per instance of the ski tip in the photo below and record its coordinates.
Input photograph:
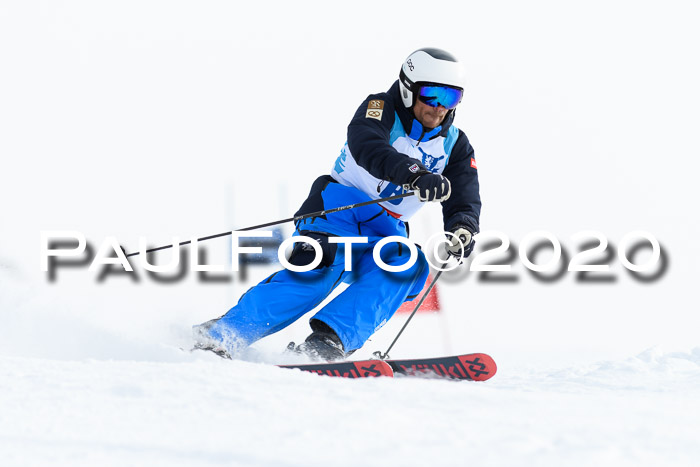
(347, 369)
(469, 367)
(479, 366)
(372, 368)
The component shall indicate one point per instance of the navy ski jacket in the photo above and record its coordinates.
(387, 147)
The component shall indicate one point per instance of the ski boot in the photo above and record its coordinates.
(322, 344)
(203, 341)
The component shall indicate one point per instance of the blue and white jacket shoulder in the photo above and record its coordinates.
(387, 147)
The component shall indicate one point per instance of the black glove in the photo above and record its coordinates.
(432, 187)
(454, 248)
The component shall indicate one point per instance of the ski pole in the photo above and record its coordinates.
(281, 221)
(385, 355)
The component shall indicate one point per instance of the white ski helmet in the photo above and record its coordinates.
(428, 65)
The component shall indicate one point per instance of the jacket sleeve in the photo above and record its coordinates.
(464, 204)
(369, 143)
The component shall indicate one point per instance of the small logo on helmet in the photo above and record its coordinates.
(410, 65)
(414, 168)
(473, 163)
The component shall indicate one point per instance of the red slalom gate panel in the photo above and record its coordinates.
(431, 303)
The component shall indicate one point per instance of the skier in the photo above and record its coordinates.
(398, 140)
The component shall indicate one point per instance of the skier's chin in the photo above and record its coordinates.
(430, 123)
(430, 119)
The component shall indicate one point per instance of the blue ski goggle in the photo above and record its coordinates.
(434, 95)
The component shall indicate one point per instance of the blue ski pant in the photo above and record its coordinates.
(370, 300)
(372, 297)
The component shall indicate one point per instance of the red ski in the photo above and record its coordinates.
(472, 367)
(358, 369)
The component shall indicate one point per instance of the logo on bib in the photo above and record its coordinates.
(429, 161)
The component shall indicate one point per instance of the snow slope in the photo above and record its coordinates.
(204, 411)
(76, 391)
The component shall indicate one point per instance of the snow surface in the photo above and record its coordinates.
(158, 119)
(206, 411)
